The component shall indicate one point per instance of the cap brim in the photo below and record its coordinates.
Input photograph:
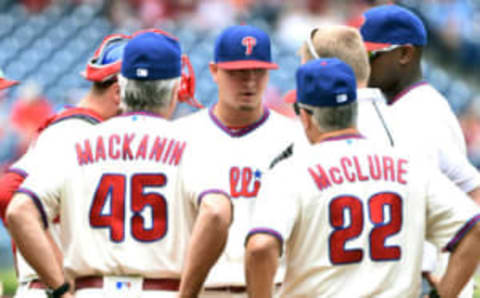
(4, 84)
(247, 64)
(291, 96)
(374, 46)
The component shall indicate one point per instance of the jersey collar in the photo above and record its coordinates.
(343, 137)
(406, 90)
(142, 113)
(241, 131)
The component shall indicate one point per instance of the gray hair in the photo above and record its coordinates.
(334, 118)
(146, 95)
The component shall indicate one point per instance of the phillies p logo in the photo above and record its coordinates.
(249, 42)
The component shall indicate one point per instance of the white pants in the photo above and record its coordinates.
(220, 294)
(101, 293)
(23, 291)
(228, 294)
(122, 287)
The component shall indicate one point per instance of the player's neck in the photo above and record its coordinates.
(89, 103)
(234, 118)
(333, 134)
(405, 82)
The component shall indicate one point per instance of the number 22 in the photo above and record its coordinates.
(380, 232)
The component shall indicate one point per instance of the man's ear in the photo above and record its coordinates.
(407, 54)
(116, 93)
(214, 71)
(306, 119)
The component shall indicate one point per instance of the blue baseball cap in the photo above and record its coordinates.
(152, 56)
(326, 82)
(243, 47)
(388, 25)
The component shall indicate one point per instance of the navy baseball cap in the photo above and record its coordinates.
(243, 47)
(388, 25)
(326, 82)
(152, 56)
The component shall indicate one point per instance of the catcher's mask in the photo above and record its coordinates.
(107, 59)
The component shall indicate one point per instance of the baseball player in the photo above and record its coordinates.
(239, 137)
(421, 117)
(124, 230)
(353, 222)
(102, 102)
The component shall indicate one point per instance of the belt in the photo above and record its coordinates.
(148, 284)
(234, 289)
(37, 284)
(231, 289)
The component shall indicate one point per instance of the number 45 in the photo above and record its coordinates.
(115, 185)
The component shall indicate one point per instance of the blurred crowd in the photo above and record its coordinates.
(454, 32)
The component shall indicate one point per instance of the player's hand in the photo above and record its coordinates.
(67, 295)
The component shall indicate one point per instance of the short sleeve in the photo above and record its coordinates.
(455, 165)
(45, 181)
(277, 205)
(450, 212)
(198, 178)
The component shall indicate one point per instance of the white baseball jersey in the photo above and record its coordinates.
(241, 159)
(114, 186)
(373, 116)
(60, 126)
(354, 218)
(424, 122)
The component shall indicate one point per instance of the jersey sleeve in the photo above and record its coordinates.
(451, 149)
(458, 168)
(45, 181)
(198, 178)
(277, 205)
(450, 212)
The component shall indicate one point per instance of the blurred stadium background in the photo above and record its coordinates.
(46, 43)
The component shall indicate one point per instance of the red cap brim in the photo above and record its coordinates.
(247, 64)
(373, 46)
(4, 84)
(291, 96)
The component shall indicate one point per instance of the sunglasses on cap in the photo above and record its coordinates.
(375, 53)
(310, 46)
(297, 106)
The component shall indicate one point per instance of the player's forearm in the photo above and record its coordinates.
(31, 239)
(462, 264)
(261, 264)
(206, 245)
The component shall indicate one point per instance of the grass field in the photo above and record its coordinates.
(9, 282)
